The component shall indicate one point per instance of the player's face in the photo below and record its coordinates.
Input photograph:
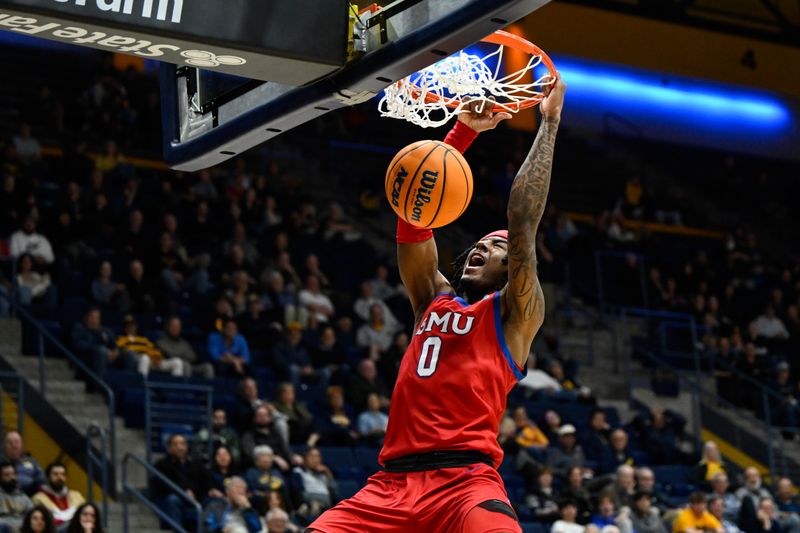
(485, 265)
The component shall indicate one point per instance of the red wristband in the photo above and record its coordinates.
(461, 136)
(409, 234)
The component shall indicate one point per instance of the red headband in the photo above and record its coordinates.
(502, 233)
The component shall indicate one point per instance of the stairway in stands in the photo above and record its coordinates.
(68, 395)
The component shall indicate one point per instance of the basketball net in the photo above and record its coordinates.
(429, 98)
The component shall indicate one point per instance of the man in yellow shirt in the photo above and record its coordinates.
(695, 518)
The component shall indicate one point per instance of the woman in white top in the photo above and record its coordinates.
(33, 287)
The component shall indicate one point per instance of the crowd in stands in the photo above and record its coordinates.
(33, 500)
(240, 273)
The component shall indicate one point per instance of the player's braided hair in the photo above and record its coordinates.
(457, 267)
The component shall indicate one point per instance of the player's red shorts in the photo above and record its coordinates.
(430, 501)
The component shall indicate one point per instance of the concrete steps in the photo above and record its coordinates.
(80, 408)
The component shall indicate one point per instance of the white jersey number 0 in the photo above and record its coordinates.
(429, 357)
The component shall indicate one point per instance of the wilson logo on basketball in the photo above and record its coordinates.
(428, 184)
(397, 186)
(423, 194)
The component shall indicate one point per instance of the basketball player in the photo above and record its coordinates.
(470, 346)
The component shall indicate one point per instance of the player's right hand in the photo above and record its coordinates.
(478, 115)
(553, 99)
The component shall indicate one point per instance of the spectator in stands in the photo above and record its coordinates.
(719, 489)
(264, 478)
(624, 486)
(770, 326)
(141, 290)
(372, 422)
(788, 507)
(278, 522)
(753, 365)
(176, 274)
(56, 497)
(695, 518)
(364, 383)
(27, 241)
(767, 518)
(263, 432)
(173, 346)
(376, 335)
(567, 523)
(106, 293)
(328, 353)
(597, 438)
(314, 484)
(334, 425)
(221, 469)
(183, 472)
(538, 381)
(528, 434)
(784, 408)
(34, 287)
(29, 475)
(752, 490)
(296, 413)
(38, 520)
(607, 514)
(567, 454)
(644, 517)
(221, 435)
(26, 145)
(576, 491)
(95, 343)
(542, 501)
(570, 389)
(247, 401)
(617, 453)
(233, 514)
(87, 519)
(646, 481)
(710, 465)
(291, 359)
(14, 503)
(363, 307)
(552, 423)
(661, 430)
(147, 354)
(229, 350)
(716, 506)
(314, 301)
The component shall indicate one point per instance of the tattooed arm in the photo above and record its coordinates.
(522, 298)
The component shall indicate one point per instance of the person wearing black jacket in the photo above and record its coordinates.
(186, 474)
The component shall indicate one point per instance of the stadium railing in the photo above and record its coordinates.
(129, 490)
(43, 334)
(16, 394)
(93, 460)
(176, 408)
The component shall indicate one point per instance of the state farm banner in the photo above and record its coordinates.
(285, 41)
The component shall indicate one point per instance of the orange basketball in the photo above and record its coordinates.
(429, 184)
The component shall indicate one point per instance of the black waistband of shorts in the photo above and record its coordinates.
(436, 460)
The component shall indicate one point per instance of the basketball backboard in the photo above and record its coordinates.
(239, 72)
(204, 128)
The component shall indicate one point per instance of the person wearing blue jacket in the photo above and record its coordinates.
(229, 350)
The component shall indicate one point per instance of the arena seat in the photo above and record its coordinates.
(347, 488)
(367, 458)
(532, 527)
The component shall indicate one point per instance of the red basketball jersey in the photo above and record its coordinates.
(453, 381)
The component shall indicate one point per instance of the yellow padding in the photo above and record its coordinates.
(44, 449)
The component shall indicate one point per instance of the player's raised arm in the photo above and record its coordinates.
(523, 301)
(417, 255)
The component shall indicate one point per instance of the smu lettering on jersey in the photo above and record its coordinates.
(453, 381)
